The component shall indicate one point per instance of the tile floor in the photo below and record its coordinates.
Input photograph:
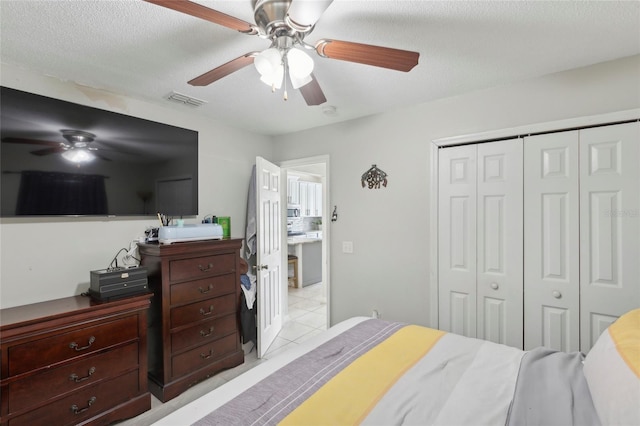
(307, 317)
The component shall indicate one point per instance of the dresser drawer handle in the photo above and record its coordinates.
(205, 313)
(74, 345)
(208, 289)
(78, 410)
(205, 269)
(205, 333)
(207, 356)
(77, 379)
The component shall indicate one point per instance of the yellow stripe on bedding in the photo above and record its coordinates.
(349, 396)
(625, 333)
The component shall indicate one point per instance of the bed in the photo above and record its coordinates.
(370, 371)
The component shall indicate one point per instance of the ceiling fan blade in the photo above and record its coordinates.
(223, 70)
(303, 14)
(211, 15)
(31, 141)
(312, 93)
(48, 151)
(385, 57)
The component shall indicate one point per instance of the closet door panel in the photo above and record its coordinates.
(457, 240)
(551, 240)
(500, 242)
(609, 226)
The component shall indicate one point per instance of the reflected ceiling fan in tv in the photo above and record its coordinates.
(60, 158)
(77, 149)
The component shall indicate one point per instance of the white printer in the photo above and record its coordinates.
(200, 231)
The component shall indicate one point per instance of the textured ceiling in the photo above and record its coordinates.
(146, 51)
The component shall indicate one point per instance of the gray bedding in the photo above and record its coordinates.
(459, 381)
(551, 390)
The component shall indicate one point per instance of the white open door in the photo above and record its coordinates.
(269, 259)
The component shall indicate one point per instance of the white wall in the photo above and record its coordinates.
(42, 259)
(389, 268)
(50, 258)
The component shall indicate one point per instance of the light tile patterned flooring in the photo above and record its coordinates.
(307, 317)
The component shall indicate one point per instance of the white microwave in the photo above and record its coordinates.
(293, 210)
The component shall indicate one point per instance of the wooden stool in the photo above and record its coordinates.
(293, 279)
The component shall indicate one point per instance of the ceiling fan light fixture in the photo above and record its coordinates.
(274, 80)
(303, 14)
(300, 64)
(78, 156)
(268, 61)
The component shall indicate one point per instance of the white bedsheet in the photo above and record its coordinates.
(461, 381)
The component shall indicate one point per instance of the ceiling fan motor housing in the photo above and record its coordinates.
(270, 16)
(77, 138)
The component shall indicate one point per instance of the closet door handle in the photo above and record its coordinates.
(556, 294)
(495, 286)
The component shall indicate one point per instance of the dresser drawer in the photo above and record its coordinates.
(51, 350)
(192, 291)
(203, 355)
(204, 266)
(34, 389)
(200, 311)
(203, 332)
(83, 404)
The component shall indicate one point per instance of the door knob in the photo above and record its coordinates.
(494, 286)
(261, 267)
(556, 294)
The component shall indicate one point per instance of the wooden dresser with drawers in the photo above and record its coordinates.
(193, 324)
(74, 361)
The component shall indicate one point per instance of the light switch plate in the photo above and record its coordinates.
(347, 246)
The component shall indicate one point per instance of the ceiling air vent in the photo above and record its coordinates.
(185, 100)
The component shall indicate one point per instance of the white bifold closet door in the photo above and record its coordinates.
(609, 227)
(582, 234)
(480, 241)
(551, 237)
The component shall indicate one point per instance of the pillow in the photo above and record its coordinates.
(612, 371)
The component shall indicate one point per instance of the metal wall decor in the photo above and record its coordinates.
(373, 178)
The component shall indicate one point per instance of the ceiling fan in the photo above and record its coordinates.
(286, 23)
(77, 150)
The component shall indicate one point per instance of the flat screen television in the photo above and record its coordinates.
(59, 158)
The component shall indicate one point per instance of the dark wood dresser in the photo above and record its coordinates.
(74, 361)
(193, 323)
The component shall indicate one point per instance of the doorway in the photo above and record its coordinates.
(305, 307)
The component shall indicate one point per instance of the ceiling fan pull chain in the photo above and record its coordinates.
(286, 74)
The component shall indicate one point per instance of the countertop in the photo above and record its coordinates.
(309, 237)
